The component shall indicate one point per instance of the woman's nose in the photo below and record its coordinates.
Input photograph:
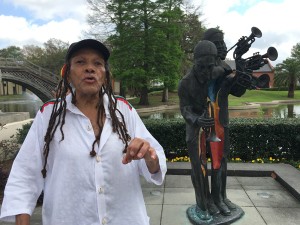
(89, 68)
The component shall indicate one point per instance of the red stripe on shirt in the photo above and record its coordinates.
(46, 104)
(125, 101)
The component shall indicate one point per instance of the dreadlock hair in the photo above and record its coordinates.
(58, 114)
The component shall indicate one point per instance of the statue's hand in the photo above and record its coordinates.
(204, 121)
(244, 80)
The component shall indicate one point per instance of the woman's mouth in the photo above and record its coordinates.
(89, 79)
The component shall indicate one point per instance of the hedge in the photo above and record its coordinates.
(249, 138)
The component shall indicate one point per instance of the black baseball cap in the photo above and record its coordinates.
(87, 43)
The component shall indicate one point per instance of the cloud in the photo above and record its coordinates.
(52, 9)
(65, 20)
(19, 31)
(276, 19)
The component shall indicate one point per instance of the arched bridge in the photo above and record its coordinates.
(38, 80)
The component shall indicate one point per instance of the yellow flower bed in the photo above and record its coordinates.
(258, 160)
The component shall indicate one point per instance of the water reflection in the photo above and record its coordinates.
(32, 104)
(285, 111)
(167, 114)
(272, 111)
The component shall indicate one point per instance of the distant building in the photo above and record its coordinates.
(266, 69)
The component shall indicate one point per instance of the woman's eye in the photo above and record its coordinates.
(98, 63)
(79, 61)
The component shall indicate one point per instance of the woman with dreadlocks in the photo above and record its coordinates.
(86, 150)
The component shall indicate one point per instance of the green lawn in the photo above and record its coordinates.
(261, 96)
(155, 98)
(249, 96)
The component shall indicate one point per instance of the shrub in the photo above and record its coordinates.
(249, 138)
(265, 138)
(8, 151)
(21, 133)
(170, 134)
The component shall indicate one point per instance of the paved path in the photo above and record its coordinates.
(264, 195)
(11, 128)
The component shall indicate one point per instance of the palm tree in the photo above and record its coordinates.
(287, 74)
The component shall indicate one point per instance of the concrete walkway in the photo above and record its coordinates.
(268, 194)
(11, 128)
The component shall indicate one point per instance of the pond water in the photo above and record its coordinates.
(32, 104)
(273, 111)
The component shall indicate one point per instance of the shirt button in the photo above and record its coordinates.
(98, 158)
(104, 221)
(101, 190)
(89, 128)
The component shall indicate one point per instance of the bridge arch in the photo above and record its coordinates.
(39, 81)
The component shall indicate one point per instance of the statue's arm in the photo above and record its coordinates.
(186, 104)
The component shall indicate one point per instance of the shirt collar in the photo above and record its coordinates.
(73, 108)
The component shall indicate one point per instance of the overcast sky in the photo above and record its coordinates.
(25, 22)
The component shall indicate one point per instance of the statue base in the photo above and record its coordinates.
(217, 219)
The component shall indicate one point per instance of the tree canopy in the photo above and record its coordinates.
(147, 39)
(11, 52)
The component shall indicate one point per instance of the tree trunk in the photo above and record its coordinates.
(291, 90)
(122, 90)
(165, 95)
(144, 96)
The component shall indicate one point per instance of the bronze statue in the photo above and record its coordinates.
(192, 91)
(203, 94)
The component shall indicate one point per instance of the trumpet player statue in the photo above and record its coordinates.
(203, 94)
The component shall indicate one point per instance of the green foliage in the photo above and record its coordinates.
(8, 150)
(170, 134)
(51, 57)
(21, 133)
(287, 73)
(249, 138)
(264, 138)
(146, 45)
(11, 52)
(148, 40)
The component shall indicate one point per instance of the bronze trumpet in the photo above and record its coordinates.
(211, 132)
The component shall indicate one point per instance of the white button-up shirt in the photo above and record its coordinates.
(80, 189)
